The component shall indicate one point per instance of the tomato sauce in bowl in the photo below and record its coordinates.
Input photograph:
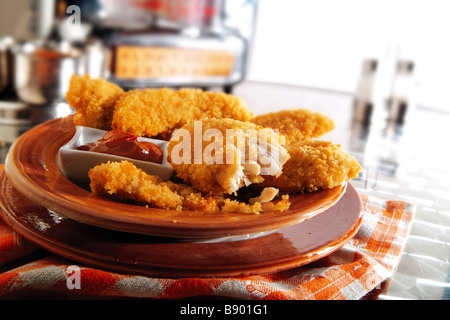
(125, 144)
(90, 147)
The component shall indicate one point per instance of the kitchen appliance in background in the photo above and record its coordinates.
(133, 43)
(155, 43)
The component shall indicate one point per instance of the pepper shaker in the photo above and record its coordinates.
(364, 101)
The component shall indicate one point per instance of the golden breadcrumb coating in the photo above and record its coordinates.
(148, 112)
(93, 100)
(123, 181)
(257, 207)
(280, 205)
(314, 165)
(236, 154)
(296, 124)
(293, 161)
(158, 112)
(236, 206)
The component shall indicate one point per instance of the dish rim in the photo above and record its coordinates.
(44, 183)
(151, 264)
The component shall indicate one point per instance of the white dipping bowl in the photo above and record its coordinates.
(75, 164)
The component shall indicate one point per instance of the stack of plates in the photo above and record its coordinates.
(40, 203)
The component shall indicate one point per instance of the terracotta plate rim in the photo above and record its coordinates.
(121, 260)
(31, 166)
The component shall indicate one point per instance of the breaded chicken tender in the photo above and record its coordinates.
(123, 181)
(223, 155)
(158, 112)
(93, 100)
(148, 112)
(314, 165)
(296, 124)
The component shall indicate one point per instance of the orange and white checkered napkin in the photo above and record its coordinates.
(349, 273)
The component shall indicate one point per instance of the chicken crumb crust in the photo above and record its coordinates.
(299, 161)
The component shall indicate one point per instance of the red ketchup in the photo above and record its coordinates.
(125, 144)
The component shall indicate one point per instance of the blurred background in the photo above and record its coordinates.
(318, 44)
(322, 44)
(379, 68)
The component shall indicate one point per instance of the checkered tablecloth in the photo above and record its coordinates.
(359, 267)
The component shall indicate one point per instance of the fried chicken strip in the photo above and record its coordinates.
(223, 155)
(123, 181)
(148, 112)
(93, 100)
(314, 165)
(296, 124)
(158, 112)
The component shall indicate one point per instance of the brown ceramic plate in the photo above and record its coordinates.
(32, 168)
(283, 249)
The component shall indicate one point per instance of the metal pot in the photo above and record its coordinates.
(43, 71)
